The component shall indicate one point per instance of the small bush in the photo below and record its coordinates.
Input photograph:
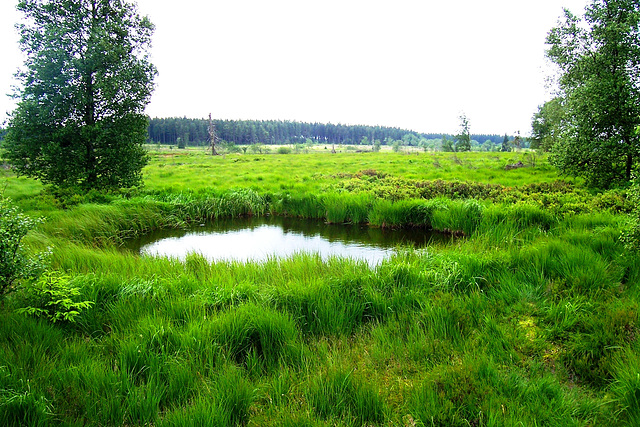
(15, 263)
(52, 296)
(631, 236)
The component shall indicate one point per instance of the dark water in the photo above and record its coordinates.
(258, 239)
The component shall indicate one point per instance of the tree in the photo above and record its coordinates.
(546, 125)
(517, 141)
(463, 139)
(599, 61)
(446, 144)
(506, 145)
(87, 78)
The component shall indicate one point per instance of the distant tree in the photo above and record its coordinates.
(80, 117)
(517, 141)
(410, 139)
(546, 125)
(376, 145)
(463, 139)
(506, 145)
(397, 146)
(447, 144)
(231, 147)
(599, 61)
(256, 148)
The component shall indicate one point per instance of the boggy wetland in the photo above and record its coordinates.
(526, 314)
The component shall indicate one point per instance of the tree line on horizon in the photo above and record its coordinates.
(182, 131)
(194, 132)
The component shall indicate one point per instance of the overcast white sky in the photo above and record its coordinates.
(407, 63)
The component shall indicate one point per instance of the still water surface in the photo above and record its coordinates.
(262, 238)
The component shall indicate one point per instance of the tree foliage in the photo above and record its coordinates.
(546, 126)
(506, 144)
(87, 78)
(599, 61)
(463, 139)
(447, 144)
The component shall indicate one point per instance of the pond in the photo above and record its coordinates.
(262, 238)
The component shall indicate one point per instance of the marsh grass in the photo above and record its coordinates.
(530, 319)
(339, 395)
(256, 337)
(308, 173)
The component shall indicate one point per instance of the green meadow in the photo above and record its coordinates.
(530, 318)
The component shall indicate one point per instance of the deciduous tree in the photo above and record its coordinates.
(599, 61)
(87, 79)
(463, 139)
(446, 144)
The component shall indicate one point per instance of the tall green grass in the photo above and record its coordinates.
(530, 319)
(338, 395)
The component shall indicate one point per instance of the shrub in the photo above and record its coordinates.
(631, 236)
(15, 263)
(52, 296)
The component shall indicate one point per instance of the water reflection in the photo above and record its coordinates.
(257, 239)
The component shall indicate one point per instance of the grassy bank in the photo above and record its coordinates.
(531, 319)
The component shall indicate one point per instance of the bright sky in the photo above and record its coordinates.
(413, 64)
